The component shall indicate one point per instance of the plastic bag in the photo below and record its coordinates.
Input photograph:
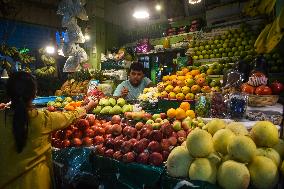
(71, 65)
(75, 34)
(81, 55)
(64, 7)
(78, 10)
(70, 49)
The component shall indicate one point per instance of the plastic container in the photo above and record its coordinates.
(237, 105)
(202, 105)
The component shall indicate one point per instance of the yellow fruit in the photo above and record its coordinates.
(169, 88)
(180, 114)
(171, 113)
(195, 72)
(166, 78)
(185, 70)
(190, 113)
(185, 106)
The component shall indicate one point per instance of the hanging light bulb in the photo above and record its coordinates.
(194, 1)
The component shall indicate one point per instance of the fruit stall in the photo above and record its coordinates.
(213, 121)
(212, 117)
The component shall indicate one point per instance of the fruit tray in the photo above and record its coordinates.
(262, 100)
(42, 101)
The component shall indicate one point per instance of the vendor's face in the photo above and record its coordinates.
(135, 77)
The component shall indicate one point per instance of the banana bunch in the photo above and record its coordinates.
(5, 64)
(270, 35)
(7, 51)
(48, 60)
(25, 58)
(45, 71)
(259, 7)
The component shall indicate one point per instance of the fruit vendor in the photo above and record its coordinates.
(131, 88)
(25, 135)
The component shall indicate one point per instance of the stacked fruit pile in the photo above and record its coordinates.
(234, 42)
(66, 103)
(148, 140)
(73, 88)
(230, 155)
(185, 84)
(111, 106)
(275, 62)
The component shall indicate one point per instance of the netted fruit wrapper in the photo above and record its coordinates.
(70, 49)
(75, 34)
(257, 81)
(72, 8)
(71, 65)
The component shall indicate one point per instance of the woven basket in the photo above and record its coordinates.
(262, 100)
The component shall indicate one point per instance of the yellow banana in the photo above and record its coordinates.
(270, 7)
(274, 36)
(261, 40)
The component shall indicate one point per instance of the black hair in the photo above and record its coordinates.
(21, 89)
(136, 66)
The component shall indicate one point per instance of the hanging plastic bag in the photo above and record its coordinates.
(78, 10)
(64, 7)
(70, 49)
(75, 34)
(81, 55)
(71, 65)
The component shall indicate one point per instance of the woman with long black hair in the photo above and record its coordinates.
(25, 141)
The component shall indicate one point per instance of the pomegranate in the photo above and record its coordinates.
(263, 90)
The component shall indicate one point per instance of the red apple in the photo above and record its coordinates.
(143, 158)
(82, 124)
(87, 141)
(181, 133)
(163, 115)
(156, 135)
(131, 133)
(155, 159)
(277, 87)
(60, 135)
(115, 119)
(128, 157)
(147, 116)
(66, 143)
(89, 133)
(109, 153)
(165, 144)
(91, 119)
(107, 136)
(117, 155)
(145, 132)
(109, 143)
(154, 146)
(139, 125)
(173, 141)
(100, 149)
(108, 129)
(77, 134)
(98, 140)
(115, 129)
(145, 142)
(128, 115)
(76, 142)
(133, 141)
(139, 147)
(117, 144)
(68, 133)
(51, 108)
(126, 147)
(166, 129)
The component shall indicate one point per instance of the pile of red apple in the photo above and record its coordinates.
(122, 139)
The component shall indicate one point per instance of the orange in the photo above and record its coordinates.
(78, 104)
(185, 106)
(195, 72)
(190, 113)
(73, 103)
(185, 70)
(171, 113)
(69, 108)
(180, 114)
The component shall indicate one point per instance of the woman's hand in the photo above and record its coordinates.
(91, 105)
